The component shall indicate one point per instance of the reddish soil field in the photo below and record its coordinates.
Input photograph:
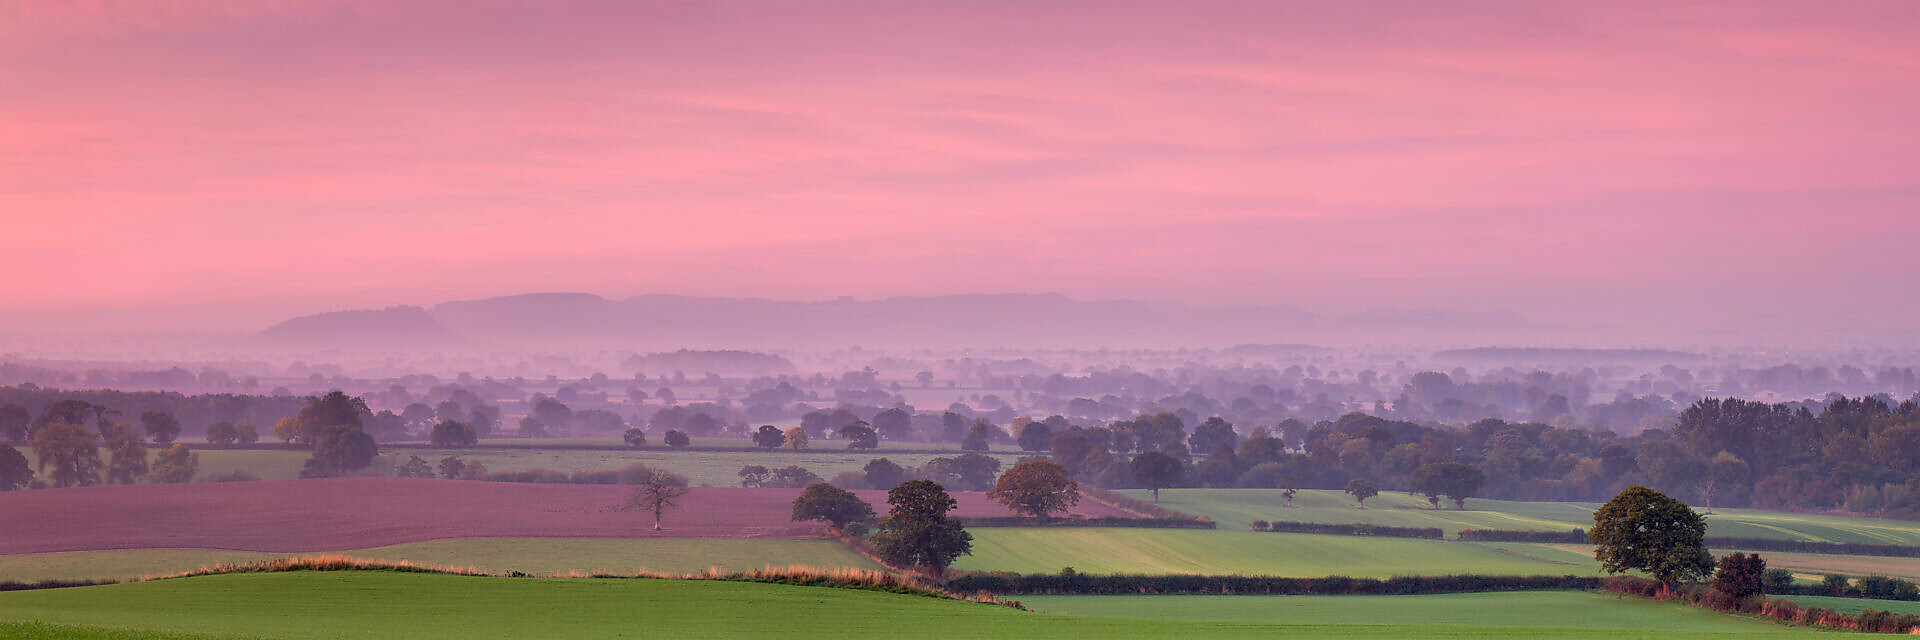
(352, 513)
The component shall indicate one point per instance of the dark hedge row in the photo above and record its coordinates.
(1870, 620)
(1069, 582)
(1282, 526)
(1806, 546)
(1576, 536)
(1079, 521)
(11, 585)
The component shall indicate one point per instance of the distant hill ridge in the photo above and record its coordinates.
(670, 322)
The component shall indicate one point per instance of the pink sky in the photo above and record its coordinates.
(228, 164)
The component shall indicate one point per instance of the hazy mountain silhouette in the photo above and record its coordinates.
(389, 327)
(985, 320)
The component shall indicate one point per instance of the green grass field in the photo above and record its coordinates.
(268, 464)
(1856, 605)
(703, 468)
(539, 556)
(379, 605)
(1233, 508)
(1813, 565)
(1161, 551)
(1564, 609)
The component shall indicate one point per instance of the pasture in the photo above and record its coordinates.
(1168, 551)
(1562, 609)
(1234, 508)
(378, 605)
(537, 556)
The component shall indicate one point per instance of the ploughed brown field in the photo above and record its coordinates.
(290, 516)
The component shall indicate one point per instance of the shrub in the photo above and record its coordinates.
(1258, 524)
(1739, 574)
(1836, 584)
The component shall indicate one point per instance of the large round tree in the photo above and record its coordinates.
(1036, 488)
(1645, 530)
(834, 505)
(917, 531)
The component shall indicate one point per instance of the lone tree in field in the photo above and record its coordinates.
(339, 450)
(754, 476)
(454, 433)
(1155, 470)
(15, 473)
(1646, 530)
(161, 426)
(1361, 489)
(677, 438)
(222, 434)
(1037, 488)
(244, 433)
(634, 437)
(978, 436)
(834, 505)
(656, 492)
(883, 473)
(1451, 479)
(333, 409)
(175, 465)
(796, 438)
(858, 435)
(1740, 575)
(917, 531)
(769, 437)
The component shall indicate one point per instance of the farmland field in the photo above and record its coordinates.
(702, 468)
(354, 513)
(1162, 551)
(1568, 609)
(1813, 565)
(538, 556)
(380, 605)
(1233, 508)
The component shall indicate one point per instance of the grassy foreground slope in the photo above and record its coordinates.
(378, 605)
(539, 556)
(1565, 609)
(1161, 551)
(1234, 508)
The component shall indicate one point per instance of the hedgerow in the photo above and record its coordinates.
(1579, 536)
(1869, 620)
(1070, 582)
(1281, 526)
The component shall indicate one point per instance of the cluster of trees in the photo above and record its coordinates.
(964, 472)
(1859, 455)
(70, 456)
